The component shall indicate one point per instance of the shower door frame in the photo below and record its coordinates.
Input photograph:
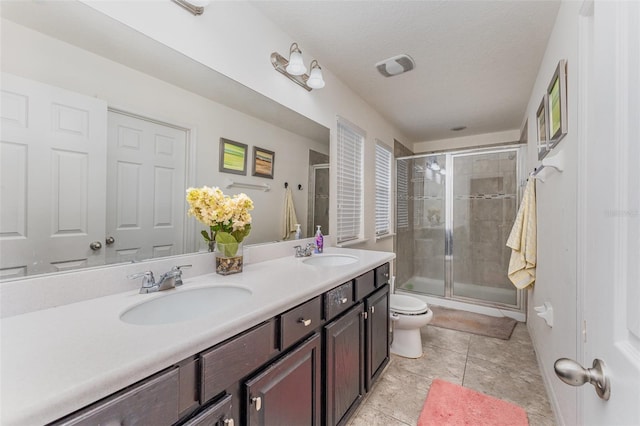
(520, 151)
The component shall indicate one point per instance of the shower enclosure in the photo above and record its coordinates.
(454, 214)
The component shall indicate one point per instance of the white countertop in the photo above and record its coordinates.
(55, 361)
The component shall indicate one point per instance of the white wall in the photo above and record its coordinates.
(42, 58)
(236, 40)
(557, 213)
(463, 142)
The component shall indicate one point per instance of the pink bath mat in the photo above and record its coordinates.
(449, 404)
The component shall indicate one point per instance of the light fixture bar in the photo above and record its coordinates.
(280, 64)
(196, 10)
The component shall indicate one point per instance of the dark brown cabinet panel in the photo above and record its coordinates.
(344, 365)
(216, 414)
(288, 392)
(300, 321)
(365, 284)
(228, 362)
(152, 402)
(382, 275)
(338, 300)
(377, 341)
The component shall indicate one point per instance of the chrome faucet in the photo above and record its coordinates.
(304, 252)
(168, 280)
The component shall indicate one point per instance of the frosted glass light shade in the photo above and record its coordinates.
(315, 80)
(296, 65)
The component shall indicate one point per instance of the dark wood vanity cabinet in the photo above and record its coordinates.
(310, 365)
(288, 392)
(344, 364)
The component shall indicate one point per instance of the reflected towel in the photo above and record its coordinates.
(290, 219)
(522, 240)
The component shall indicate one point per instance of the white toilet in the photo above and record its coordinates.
(408, 315)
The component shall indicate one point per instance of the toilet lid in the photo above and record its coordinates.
(407, 304)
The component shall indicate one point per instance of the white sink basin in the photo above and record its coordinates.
(183, 305)
(330, 260)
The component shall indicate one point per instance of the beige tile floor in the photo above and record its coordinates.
(505, 369)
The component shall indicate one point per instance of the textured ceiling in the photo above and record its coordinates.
(476, 61)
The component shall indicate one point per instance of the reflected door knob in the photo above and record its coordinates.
(96, 245)
(572, 373)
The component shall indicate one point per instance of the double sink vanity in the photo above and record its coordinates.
(287, 341)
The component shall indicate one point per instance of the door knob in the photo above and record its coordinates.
(572, 373)
(96, 245)
(110, 240)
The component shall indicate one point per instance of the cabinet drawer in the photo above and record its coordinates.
(365, 284)
(338, 300)
(382, 275)
(300, 321)
(153, 402)
(229, 362)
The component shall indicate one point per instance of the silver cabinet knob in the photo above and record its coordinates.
(572, 373)
(228, 422)
(344, 300)
(110, 240)
(257, 402)
(305, 322)
(96, 245)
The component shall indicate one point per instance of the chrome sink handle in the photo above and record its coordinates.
(178, 273)
(148, 281)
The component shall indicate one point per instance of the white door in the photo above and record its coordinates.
(609, 243)
(53, 170)
(146, 205)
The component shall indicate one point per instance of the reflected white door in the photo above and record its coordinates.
(53, 170)
(610, 241)
(146, 191)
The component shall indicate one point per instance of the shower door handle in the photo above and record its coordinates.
(448, 243)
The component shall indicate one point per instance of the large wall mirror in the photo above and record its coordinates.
(103, 129)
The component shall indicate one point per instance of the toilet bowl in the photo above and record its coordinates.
(408, 315)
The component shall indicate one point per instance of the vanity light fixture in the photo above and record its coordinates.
(194, 6)
(294, 69)
(434, 166)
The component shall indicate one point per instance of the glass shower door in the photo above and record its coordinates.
(483, 195)
(420, 224)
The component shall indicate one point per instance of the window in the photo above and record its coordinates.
(402, 188)
(383, 189)
(350, 148)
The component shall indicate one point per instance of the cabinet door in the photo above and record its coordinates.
(217, 414)
(377, 342)
(344, 357)
(288, 392)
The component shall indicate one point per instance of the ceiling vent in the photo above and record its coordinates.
(395, 65)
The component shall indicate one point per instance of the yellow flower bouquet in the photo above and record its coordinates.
(227, 217)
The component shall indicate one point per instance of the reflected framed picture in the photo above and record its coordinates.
(557, 104)
(263, 161)
(541, 124)
(233, 157)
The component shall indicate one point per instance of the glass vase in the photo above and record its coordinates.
(228, 258)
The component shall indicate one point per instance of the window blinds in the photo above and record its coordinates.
(350, 144)
(383, 189)
(402, 187)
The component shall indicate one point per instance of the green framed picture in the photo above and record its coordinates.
(557, 104)
(233, 157)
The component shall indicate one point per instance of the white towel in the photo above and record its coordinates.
(523, 240)
(290, 219)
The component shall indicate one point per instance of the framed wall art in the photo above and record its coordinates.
(541, 125)
(263, 161)
(233, 157)
(557, 104)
